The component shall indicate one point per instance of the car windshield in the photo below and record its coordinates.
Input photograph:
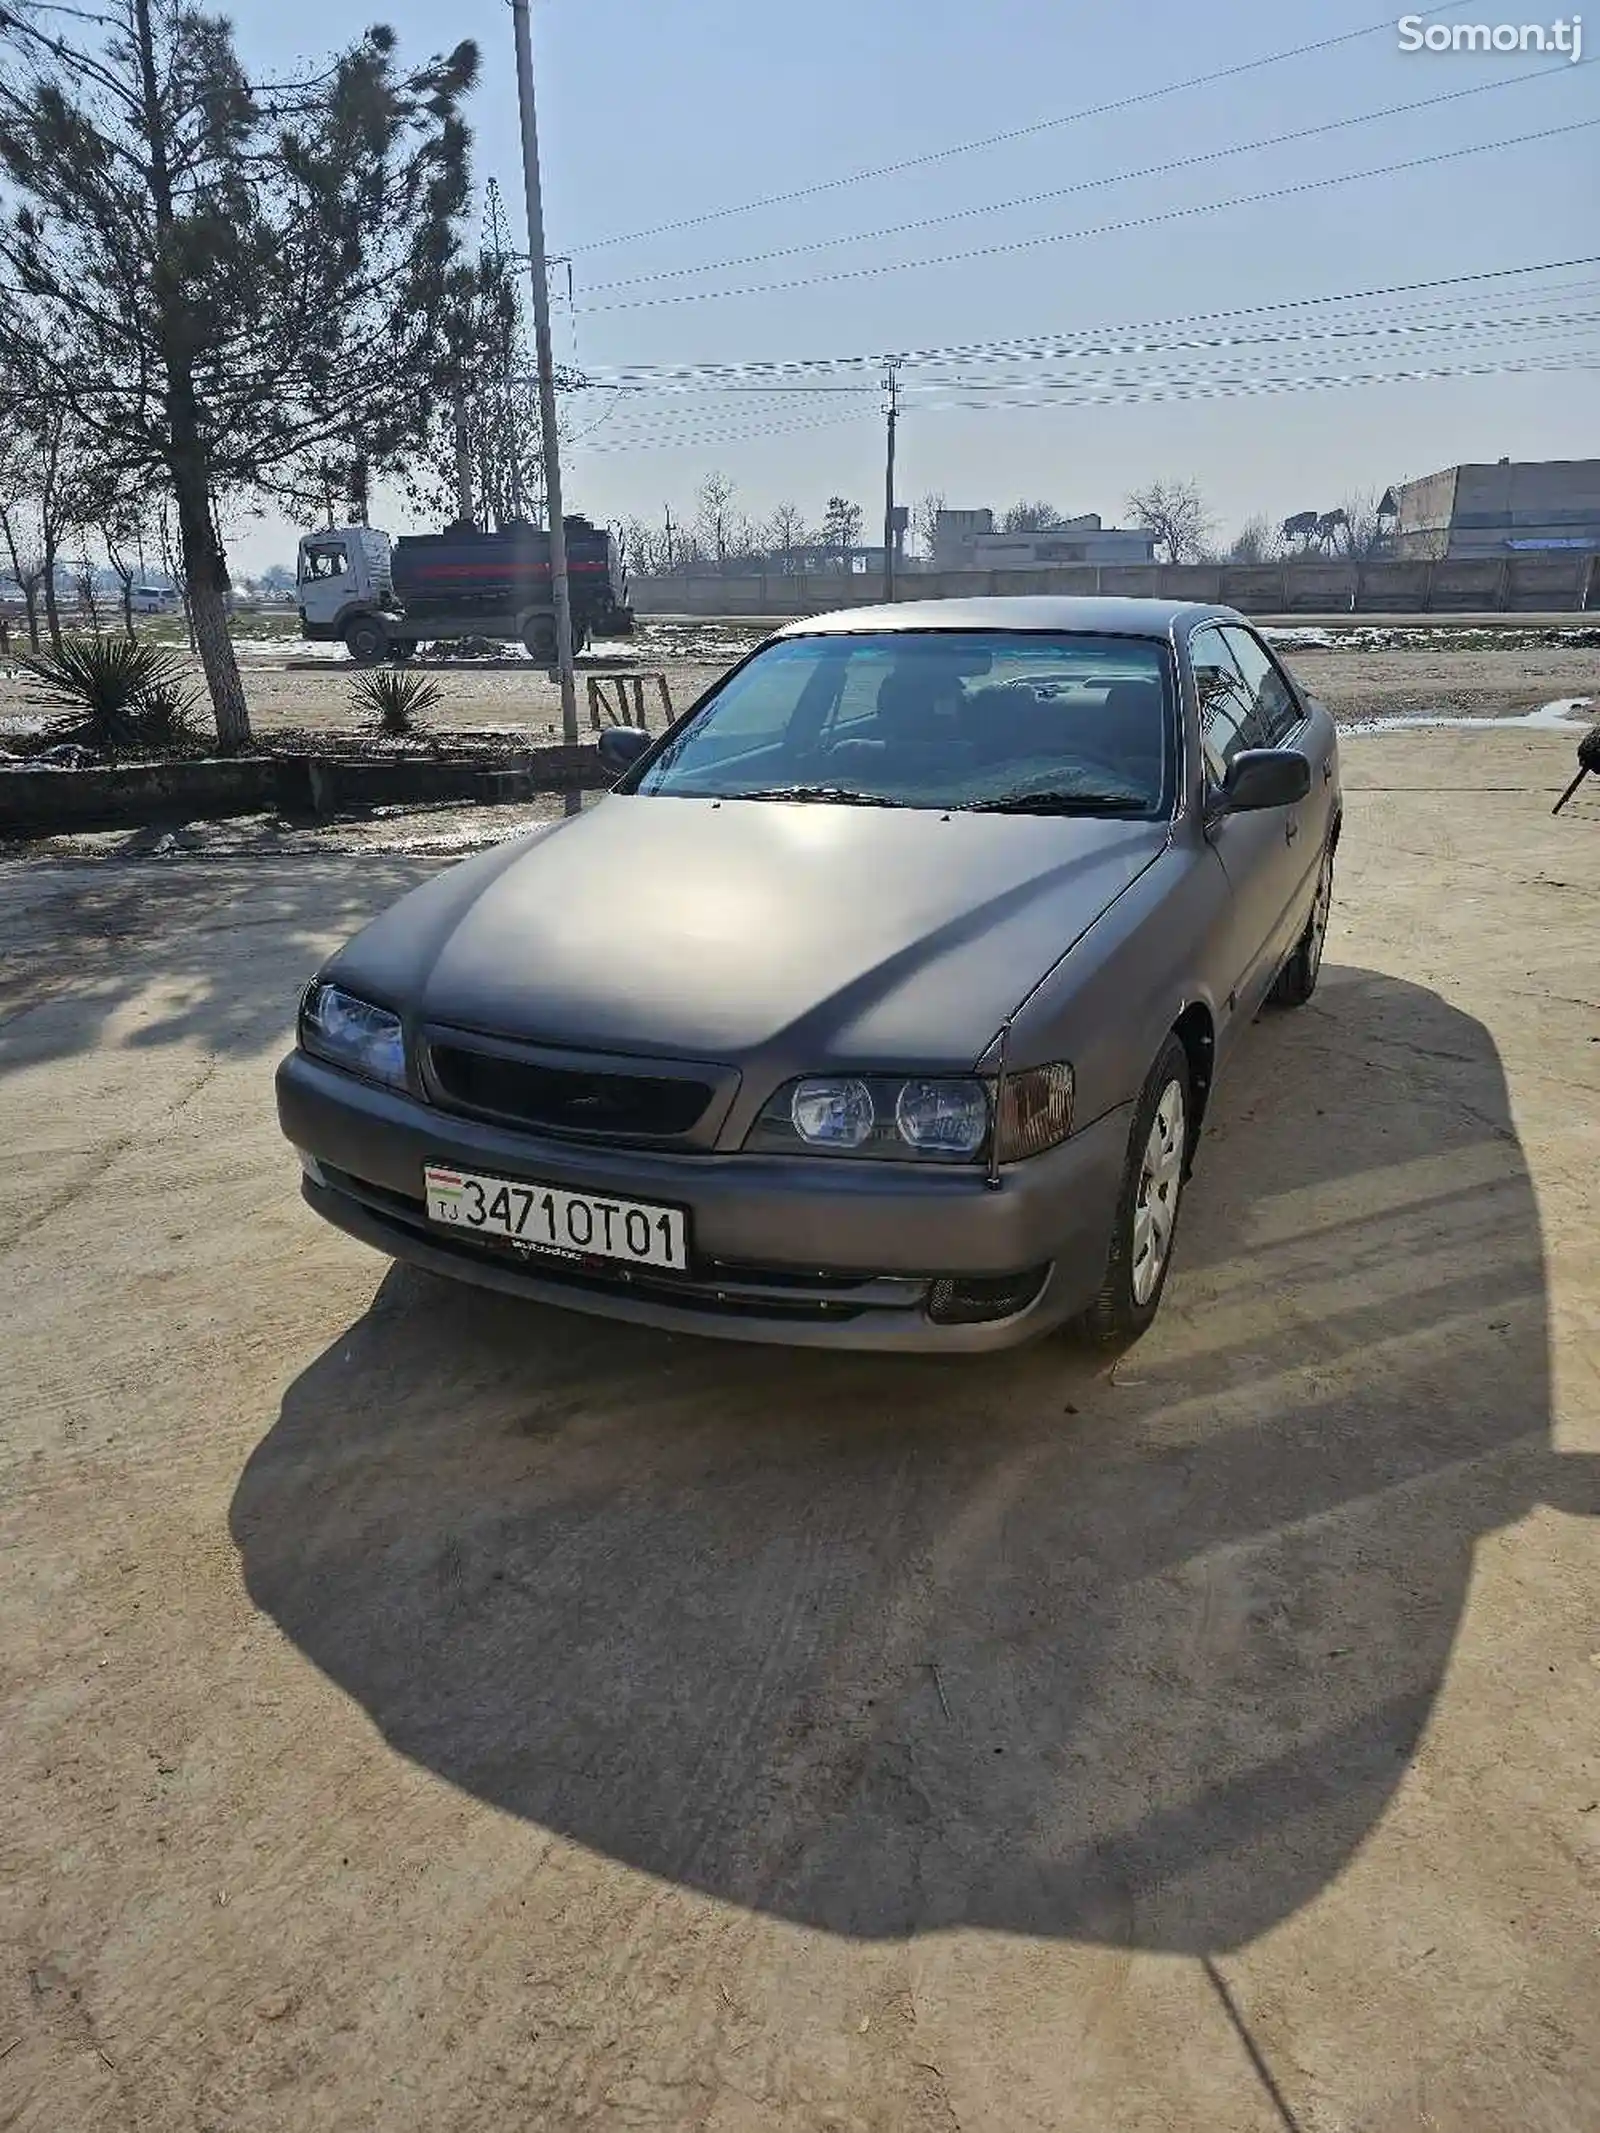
(1023, 722)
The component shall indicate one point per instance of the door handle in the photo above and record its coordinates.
(1327, 770)
(1291, 830)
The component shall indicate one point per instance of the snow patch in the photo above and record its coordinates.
(1564, 715)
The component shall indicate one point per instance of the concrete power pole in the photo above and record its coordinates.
(463, 460)
(559, 593)
(892, 411)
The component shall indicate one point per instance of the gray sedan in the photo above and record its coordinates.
(878, 1005)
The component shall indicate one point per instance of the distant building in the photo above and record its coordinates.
(967, 540)
(1515, 506)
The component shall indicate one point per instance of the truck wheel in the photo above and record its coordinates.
(539, 642)
(403, 650)
(366, 640)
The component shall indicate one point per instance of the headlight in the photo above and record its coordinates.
(351, 1033)
(832, 1114)
(942, 1117)
(915, 1118)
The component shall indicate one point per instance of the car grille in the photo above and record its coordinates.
(567, 1100)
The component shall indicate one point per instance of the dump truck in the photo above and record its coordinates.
(382, 598)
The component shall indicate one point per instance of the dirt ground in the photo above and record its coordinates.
(1456, 673)
(424, 1711)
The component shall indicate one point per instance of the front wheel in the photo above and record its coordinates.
(366, 640)
(1146, 1219)
(1297, 980)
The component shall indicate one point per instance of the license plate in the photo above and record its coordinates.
(549, 1219)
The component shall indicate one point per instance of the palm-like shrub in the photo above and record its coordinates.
(126, 693)
(395, 699)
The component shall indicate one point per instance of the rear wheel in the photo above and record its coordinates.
(1297, 980)
(539, 640)
(1146, 1219)
(366, 640)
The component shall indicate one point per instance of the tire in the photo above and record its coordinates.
(366, 640)
(1297, 980)
(404, 650)
(539, 641)
(1158, 1148)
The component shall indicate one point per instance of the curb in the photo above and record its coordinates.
(40, 803)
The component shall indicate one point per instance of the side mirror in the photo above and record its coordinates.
(621, 746)
(1262, 777)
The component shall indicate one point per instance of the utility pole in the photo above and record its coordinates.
(668, 509)
(463, 459)
(547, 385)
(892, 411)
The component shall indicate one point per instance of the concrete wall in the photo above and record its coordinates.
(1478, 511)
(1423, 530)
(1527, 584)
(1544, 500)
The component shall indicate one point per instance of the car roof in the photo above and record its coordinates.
(1110, 617)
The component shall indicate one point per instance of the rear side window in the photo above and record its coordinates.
(1228, 720)
(1276, 712)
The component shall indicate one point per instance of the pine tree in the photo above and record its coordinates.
(224, 283)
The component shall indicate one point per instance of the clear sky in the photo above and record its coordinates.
(654, 115)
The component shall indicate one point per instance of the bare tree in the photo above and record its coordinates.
(643, 547)
(84, 590)
(786, 529)
(1255, 542)
(27, 564)
(841, 525)
(18, 485)
(1173, 514)
(1026, 517)
(925, 518)
(714, 515)
(1359, 535)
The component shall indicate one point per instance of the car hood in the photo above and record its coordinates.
(834, 935)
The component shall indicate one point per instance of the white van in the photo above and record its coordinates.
(153, 600)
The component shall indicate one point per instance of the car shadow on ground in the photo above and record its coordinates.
(1134, 1656)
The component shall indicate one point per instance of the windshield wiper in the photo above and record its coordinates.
(1059, 803)
(843, 795)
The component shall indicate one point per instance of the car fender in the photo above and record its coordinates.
(1108, 1005)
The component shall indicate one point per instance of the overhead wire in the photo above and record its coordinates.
(1089, 185)
(1106, 229)
(1013, 133)
(1049, 343)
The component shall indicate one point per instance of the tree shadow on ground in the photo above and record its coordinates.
(204, 953)
(884, 1647)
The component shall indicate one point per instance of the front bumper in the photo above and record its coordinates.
(801, 1250)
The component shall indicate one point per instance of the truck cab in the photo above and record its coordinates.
(343, 582)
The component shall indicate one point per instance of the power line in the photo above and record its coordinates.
(1015, 133)
(1088, 185)
(1049, 343)
(1249, 388)
(1378, 329)
(1154, 391)
(1104, 229)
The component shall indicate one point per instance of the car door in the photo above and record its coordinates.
(1252, 847)
(1282, 714)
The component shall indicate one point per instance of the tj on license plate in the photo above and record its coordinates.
(546, 1218)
